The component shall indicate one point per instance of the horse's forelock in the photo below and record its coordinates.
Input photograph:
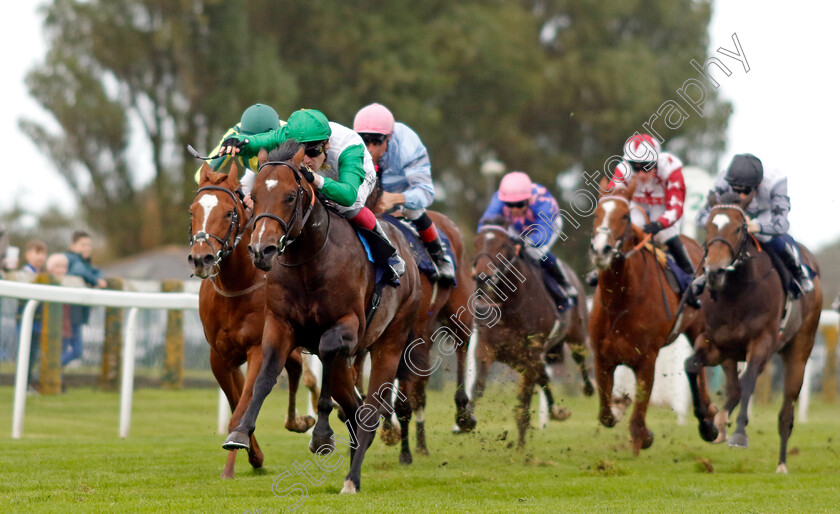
(285, 151)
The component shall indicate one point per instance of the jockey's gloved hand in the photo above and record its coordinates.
(235, 142)
(307, 173)
(653, 227)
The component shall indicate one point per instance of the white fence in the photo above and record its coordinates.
(36, 293)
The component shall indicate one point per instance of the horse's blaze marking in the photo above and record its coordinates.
(207, 201)
(270, 184)
(490, 236)
(600, 239)
(721, 220)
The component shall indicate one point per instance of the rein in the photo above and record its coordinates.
(742, 253)
(285, 239)
(499, 275)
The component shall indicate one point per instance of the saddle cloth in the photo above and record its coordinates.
(677, 278)
(418, 249)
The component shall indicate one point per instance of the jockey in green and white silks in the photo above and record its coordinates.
(343, 168)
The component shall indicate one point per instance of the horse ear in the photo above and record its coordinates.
(262, 157)
(297, 158)
(604, 186)
(204, 173)
(233, 173)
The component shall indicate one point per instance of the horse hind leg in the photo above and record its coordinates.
(641, 434)
(391, 433)
(579, 356)
(418, 405)
(335, 343)
(795, 358)
(733, 397)
(555, 412)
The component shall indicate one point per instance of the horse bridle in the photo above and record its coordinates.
(619, 241)
(286, 239)
(740, 254)
(227, 245)
(493, 280)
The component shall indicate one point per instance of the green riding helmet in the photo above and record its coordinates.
(257, 119)
(307, 125)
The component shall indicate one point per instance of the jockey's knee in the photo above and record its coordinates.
(416, 215)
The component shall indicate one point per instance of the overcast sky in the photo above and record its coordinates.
(786, 109)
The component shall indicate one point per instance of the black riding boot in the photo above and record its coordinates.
(383, 250)
(437, 251)
(793, 263)
(556, 271)
(677, 250)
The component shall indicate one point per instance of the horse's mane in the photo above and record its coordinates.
(285, 151)
(729, 198)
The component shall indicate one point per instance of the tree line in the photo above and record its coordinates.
(544, 86)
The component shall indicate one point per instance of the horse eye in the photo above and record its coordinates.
(229, 214)
(290, 198)
(625, 217)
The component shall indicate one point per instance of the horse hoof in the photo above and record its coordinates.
(300, 424)
(390, 435)
(708, 431)
(349, 487)
(227, 475)
(738, 441)
(321, 444)
(467, 423)
(422, 450)
(588, 389)
(560, 413)
(237, 441)
(405, 458)
(782, 469)
(647, 441)
(608, 421)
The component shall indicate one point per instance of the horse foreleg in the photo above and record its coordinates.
(276, 346)
(384, 364)
(418, 406)
(295, 423)
(733, 396)
(402, 407)
(695, 372)
(484, 359)
(523, 409)
(604, 372)
(794, 359)
(334, 345)
(641, 434)
(224, 376)
(758, 354)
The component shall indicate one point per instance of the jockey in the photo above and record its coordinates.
(764, 191)
(531, 208)
(403, 164)
(256, 119)
(332, 149)
(660, 192)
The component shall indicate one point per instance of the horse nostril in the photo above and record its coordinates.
(190, 259)
(208, 260)
(269, 251)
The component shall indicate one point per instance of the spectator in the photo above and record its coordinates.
(35, 254)
(79, 265)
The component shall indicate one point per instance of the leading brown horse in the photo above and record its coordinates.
(232, 302)
(319, 287)
(633, 309)
(518, 323)
(743, 318)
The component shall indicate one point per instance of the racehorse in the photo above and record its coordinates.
(319, 285)
(444, 310)
(744, 321)
(518, 323)
(232, 302)
(633, 309)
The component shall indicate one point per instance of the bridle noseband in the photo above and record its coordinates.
(234, 229)
(739, 253)
(493, 280)
(285, 240)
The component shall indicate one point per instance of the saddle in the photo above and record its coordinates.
(677, 279)
(424, 261)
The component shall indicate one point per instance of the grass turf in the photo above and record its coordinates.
(71, 458)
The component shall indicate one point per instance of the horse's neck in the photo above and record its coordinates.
(311, 238)
(623, 280)
(237, 271)
(747, 275)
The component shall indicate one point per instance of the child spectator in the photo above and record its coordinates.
(79, 265)
(35, 254)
